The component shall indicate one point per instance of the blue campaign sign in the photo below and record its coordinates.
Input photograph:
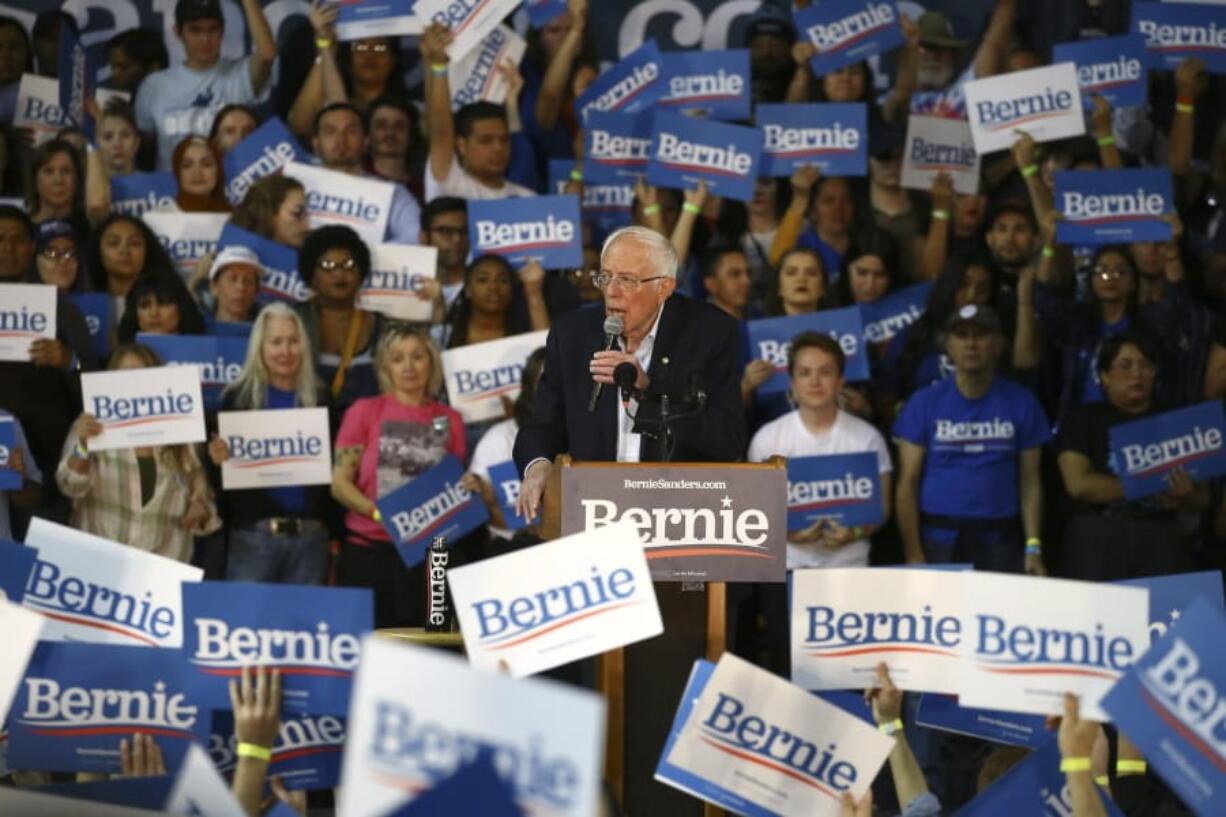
(714, 84)
(1170, 705)
(604, 207)
(10, 480)
(1116, 68)
(616, 146)
(831, 136)
(16, 562)
(280, 281)
(886, 317)
(842, 488)
(264, 152)
(684, 150)
(1113, 206)
(1170, 595)
(1012, 728)
(1145, 451)
(433, 503)
(306, 753)
(220, 359)
(634, 83)
(545, 229)
(96, 308)
(505, 479)
(1034, 786)
(138, 193)
(78, 700)
(770, 339)
(542, 11)
(848, 31)
(76, 73)
(311, 634)
(1176, 31)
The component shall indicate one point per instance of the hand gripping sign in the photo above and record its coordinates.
(1043, 102)
(469, 20)
(844, 32)
(476, 77)
(305, 755)
(831, 136)
(276, 448)
(1034, 786)
(1146, 451)
(162, 405)
(770, 339)
(433, 503)
(840, 488)
(480, 375)
(1113, 206)
(27, 313)
(686, 150)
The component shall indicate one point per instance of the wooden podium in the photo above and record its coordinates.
(611, 666)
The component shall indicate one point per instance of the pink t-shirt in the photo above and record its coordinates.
(398, 443)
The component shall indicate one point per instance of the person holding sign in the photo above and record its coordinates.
(152, 498)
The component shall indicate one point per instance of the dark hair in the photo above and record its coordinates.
(713, 255)
(473, 112)
(9, 212)
(439, 206)
(119, 108)
(50, 23)
(255, 213)
(417, 149)
(816, 340)
(819, 90)
(337, 106)
(772, 303)
(873, 241)
(157, 260)
(11, 22)
(460, 313)
(1017, 206)
(146, 47)
(166, 289)
(395, 80)
(331, 237)
(226, 111)
(42, 156)
(533, 366)
(733, 219)
(1122, 251)
(1111, 346)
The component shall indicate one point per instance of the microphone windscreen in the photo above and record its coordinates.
(613, 325)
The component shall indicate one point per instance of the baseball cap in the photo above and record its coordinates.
(48, 231)
(981, 316)
(936, 31)
(771, 20)
(188, 10)
(235, 254)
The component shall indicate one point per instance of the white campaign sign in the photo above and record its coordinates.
(396, 273)
(27, 313)
(776, 745)
(557, 602)
(469, 20)
(19, 632)
(38, 107)
(139, 407)
(480, 374)
(1043, 102)
(343, 198)
(92, 589)
(417, 714)
(937, 145)
(276, 448)
(476, 77)
(845, 621)
(188, 237)
(1026, 641)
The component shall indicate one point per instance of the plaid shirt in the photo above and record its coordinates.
(106, 501)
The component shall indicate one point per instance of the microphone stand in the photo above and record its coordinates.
(661, 428)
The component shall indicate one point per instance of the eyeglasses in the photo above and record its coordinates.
(377, 48)
(328, 265)
(627, 283)
(59, 255)
(1131, 366)
(1111, 273)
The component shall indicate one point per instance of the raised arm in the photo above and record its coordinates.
(897, 102)
(1188, 86)
(97, 188)
(1100, 123)
(994, 48)
(793, 221)
(323, 84)
(683, 232)
(553, 87)
(936, 243)
(440, 126)
(263, 46)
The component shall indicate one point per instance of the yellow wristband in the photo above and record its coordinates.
(253, 750)
(439, 69)
(890, 727)
(1034, 541)
(1029, 170)
(1106, 141)
(651, 209)
(1127, 766)
(320, 42)
(1183, 107)
(1048, 252)
(576, 175)
(940, 215)
(375, 515)
(1103, 780)
(1075, 764)
(690, 207)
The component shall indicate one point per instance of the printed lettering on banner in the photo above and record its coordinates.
(713, 84)
(94, 589)
(1174, 32)
(831, 136)
(542, 11)
(1145, 451)
(771, 338)
(938, 145)
(1170, 595)
(616, 147)
(475, 77)
(506, 482)
(404, 736)
(280, 262)
(556, 602)
(16, 564)
(545, 229)
(139, 193)
(396, 275)
(479, 375)
(19, 632)
(848, 31)
(469, 20)
(138, 407)
(77, 701)
(188, 237)
(1113, 206)
(685, 150)
(634, 83)
(731, 745)
(604, 206)
(433, 503)
(1034, 786)
(1171, 704)
(27, 313)
(1019, 656)
(845, 621)
(942, 712)
(199, 789)
(356, 202)
(1043, 102)
(1115, 68)
(96, 309)
(376, 18)
(276, 448)
(38, 107)
(310, 633)
(10, 478)
(305, 755)
(884, 318)
(840, 488)
(264, 152)
(218, 359)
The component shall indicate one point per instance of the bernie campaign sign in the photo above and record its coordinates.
(542, 11)
(1146, 451)
(605, 206)
(27, 314)
(310, 634)
(265, 151)
(1043, 102)
(469, 21)
(219, 359)
(634, 83)
(844, 32)
(138, 193)
(480, 375)
(38, 107)
(545, 229)
(713, 84)
(476, 77)
(96, 309)
(332, 197)
(1170, 595)
(770, 339)
(942, 712)
(276, 448)
(19, 632)
(376, 18)
(1174, 32)
(885, 317)
(831, 136)
(10, 479)
(1115, 68)
(305, 755)
(938, 145)
(504, 477)
(839, 488)
(616, 147)
(280, 281)
(1035, 786)
(686, 150)
(1113, 206)
(16, 563)
(394, 285)
(187, 237)
(432, 504)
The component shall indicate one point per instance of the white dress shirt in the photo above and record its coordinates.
(629, 444)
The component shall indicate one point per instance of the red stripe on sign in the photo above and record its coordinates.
(783, 770)
(868, 650)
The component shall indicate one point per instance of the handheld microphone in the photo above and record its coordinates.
(613, 327)
(624, 376)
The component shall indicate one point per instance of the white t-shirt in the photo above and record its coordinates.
(459, 183)
(494, 448)
(849, 434)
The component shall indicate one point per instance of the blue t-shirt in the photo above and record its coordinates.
(972, 447)
(293, 499)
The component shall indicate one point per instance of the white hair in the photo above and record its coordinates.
(663, 254)
(251, 386)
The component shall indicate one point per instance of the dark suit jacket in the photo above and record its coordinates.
(692, 337)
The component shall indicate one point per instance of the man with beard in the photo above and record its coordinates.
(1012, 238)
(444, 224)
(936, 93)
(769, 38)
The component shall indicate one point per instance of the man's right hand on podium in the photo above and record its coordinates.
(532, 489)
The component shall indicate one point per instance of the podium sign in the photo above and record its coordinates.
(698, 523)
